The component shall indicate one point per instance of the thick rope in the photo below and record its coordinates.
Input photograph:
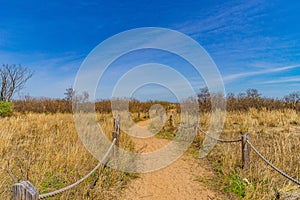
(187, 127)
(214, 138)
(220, 140)
(50, 194)
(273, 166)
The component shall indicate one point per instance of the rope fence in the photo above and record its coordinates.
(246, 146)
(103, 161)
(26, 190)
(246, 154)
(218, 139)
(271, 165)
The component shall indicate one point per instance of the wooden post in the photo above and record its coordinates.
(25, 191)
(114, 125)
(171, 120)
(129, 116)
(116, 134)
(245, 152)
(114, 150)
(118, 130)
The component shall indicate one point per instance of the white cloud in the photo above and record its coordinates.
(226, 16)
(291, 79)
(52, 74)
(233, 77)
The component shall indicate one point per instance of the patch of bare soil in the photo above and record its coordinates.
(179, 180)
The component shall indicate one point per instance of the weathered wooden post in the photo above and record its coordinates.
(114, 129)
(245, 152)
(116, 135)
(118, 131)
(129, 116)
(171, 120)
(25, 191)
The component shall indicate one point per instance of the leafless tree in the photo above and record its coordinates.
(69, 94)
(204, 99)
(293, 100)
(12, 80)
(253, 93)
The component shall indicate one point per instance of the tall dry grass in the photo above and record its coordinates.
(45, 149)
(276, 134)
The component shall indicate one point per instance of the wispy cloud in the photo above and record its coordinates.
(222, 18)
(233, 34)
(53, 73)
(64, 63)
(43, 62)
(291, 79)
(233, 77)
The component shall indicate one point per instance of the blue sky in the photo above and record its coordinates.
(255, 44)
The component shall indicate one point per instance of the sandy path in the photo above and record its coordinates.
(176, 181)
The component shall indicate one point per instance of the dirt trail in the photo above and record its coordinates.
(176, 181)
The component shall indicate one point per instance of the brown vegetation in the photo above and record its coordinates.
(45, 149)
(275, 134)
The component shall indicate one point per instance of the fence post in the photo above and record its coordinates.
(25, 191)
(118, 130)
(116, 134)
(171, 120)
(245, 152)
(129, 116)
(114, 125)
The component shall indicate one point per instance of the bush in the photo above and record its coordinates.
(236, 185)
(6, 108)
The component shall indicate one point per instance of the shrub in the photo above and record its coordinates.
(6, 108)
(235, 185)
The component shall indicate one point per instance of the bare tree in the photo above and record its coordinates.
(253, 93)
(12, 80)
(85, 96)
(70, 94)
(292, 98)
(204, 99)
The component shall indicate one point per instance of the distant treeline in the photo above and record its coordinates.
(250, 99)
(240, 102)
(48, 105)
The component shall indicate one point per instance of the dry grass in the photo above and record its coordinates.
(45, 149)
(276, 134)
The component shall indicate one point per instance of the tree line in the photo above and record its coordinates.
(48, 105)
(251, 98)
(14, 77)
